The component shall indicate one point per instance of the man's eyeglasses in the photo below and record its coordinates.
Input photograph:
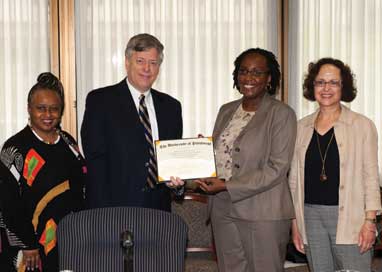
(140, 61)
(252, 73)
(331, 83)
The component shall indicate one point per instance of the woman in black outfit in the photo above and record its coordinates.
(44, 173)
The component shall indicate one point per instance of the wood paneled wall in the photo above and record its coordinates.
(63, 61)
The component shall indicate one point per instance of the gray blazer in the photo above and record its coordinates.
(262, 153)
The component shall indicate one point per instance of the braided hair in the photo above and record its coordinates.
(48, 81)
(273, 66)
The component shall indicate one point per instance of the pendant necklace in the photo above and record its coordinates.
(323, 176)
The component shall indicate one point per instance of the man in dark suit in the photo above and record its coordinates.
(117, 134)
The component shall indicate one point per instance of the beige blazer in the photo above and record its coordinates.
(357, 142)
(258, 189)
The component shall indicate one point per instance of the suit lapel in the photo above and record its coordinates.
(260, 115)
(256, 120)
(226, 118)
(128, 111)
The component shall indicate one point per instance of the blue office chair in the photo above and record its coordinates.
(90, 240)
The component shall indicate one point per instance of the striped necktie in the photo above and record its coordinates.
(152, 164)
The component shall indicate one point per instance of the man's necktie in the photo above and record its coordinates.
(152, 164)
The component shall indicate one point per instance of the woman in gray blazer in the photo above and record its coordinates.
(250, 204)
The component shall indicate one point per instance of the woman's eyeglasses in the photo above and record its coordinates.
(41, 108)
(331, 83)
(252, 73)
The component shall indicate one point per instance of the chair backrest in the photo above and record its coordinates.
(193, 210)
(90, 240)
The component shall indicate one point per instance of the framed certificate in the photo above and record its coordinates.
(187, 159)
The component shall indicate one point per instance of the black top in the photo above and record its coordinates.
(316, 191)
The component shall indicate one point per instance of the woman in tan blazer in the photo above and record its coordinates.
(334, 175)
(250, 204)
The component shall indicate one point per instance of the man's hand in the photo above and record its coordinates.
(175, 182)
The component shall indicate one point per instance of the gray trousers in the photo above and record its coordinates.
(244, 246)
(324, 255)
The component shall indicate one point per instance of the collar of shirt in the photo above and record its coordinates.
(42, 140)
(346, 117)
(136, 94)
(150, 107)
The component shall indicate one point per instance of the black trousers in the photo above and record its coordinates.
(6, 263)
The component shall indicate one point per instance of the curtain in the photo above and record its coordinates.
(201, 38)
(350, 30)
(24, 53)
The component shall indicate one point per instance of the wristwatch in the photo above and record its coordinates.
(371, 220)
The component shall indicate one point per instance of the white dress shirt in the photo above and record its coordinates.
(150, 108)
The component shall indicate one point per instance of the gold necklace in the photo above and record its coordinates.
(44, 140)
(323, 176)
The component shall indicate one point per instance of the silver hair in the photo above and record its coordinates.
(143, 42)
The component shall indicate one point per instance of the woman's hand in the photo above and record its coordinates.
(367, 236)
(31, 259)
(175, 182)
(296, 237)
(212, 185)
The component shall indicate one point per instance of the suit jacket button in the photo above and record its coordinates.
(147, 164)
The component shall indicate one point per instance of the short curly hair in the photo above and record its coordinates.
(348, 92)
(273, 67)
